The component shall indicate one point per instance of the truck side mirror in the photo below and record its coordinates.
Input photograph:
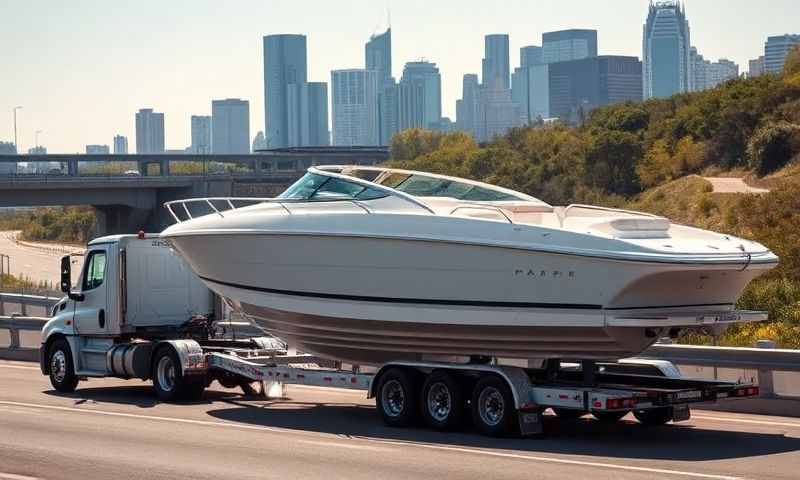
(66, 279)
(66, 274)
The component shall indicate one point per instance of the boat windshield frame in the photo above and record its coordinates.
(344, 173)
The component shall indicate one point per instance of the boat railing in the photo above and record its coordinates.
(483, 207)
(578, 206)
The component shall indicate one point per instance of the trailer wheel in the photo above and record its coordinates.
(568, 413)
(62, 371)
(493, 410)
(169, 383)
(396, 398)
(609, 417)
(654, 417)
(442, 401)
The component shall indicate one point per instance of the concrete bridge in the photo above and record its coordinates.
(127, 191)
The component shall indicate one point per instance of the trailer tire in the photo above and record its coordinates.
(493, 409)
(568, 413)
(396, 398)
(62, 371)
(169, 382)
(609, 417)
(442, 401)
(654, 417)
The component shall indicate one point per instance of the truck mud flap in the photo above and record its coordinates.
(680, 413)
(530, 423)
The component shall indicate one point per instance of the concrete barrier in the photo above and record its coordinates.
(14, 343)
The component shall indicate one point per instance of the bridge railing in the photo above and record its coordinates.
(19, 337)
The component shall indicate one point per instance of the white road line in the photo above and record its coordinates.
(743, 420)
(14, 476)
(21, 367)
(472, 451)
(564, 461)
(353, 446)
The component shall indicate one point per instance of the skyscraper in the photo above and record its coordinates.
(230, 126)
(149, 131)
(378, 55)
(579, 86)
(420, 96)
(259, 141)
(388, 110)
(355, 107)
(314, 114)
(495, 64)
(97, 150)
(530, 55)
(201, 134)
(756, 67)
(285, 63)
(566, 45)
(467, 106)
(776, 49)
(120, 145)
(666, 44)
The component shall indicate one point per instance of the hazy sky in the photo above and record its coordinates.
(82, 68)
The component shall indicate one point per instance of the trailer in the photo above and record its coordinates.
(138, 311)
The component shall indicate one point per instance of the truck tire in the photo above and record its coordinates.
(654, 417)
(609, 417)
(493, 410)
(442, 401)
(62, 370)
(568, 413)
(396, 398)
(169, 383)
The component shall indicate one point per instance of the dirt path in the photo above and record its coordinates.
(732, 185)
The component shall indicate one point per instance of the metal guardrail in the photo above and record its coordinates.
(24, 301)
(15, 350)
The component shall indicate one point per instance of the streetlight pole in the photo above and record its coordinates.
(16, 146)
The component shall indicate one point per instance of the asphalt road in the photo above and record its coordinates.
(115, 428)
(36, 264)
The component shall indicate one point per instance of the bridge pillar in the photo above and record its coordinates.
(116, 219)
(72, 167)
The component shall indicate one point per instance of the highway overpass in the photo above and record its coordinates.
(128, 190)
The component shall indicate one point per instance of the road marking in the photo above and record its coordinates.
(562, 461)
(346, 445)
(21, 367)
(743, 420)
(14, 476)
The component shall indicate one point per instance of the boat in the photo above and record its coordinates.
(369, 264)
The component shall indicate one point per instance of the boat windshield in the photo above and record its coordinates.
(426, 186)
(313, 186)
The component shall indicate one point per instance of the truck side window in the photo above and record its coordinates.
(95, 271)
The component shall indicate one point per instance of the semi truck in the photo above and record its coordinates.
(137, 311)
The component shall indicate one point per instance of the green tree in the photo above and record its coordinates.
(611, 161)
(773, 146)
(414, 142)
(657, 166)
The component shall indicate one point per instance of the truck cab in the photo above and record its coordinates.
(130, 287)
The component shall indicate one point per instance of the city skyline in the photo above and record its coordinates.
(161, 68)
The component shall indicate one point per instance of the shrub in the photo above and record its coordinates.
(772, 146)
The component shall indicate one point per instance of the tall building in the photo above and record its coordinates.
(378, 55)
(666, 45)
(756, 67)
(721, 71)
(420, 96)
(355, 107)
(285, 63)
(497, 112)
(776, 49)
(566, 45)
(579, 86)
(259, 141)
(120, 144)
(388, 111)
(149, 131)
(40, 150)
(314, 115)
(201, 134)
(7, 148)
(496, 60)
(530, 55)
(97, 150)
(230, 126)
(467, 106)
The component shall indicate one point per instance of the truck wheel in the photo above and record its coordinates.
(568, 413)
(62, 371)
(654, 417)
(609, 417)
(493, 410)
(396, 398)
(442, 401)
(169, 383)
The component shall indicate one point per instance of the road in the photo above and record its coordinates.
(732, 185)
(114, 428)
(36, 264)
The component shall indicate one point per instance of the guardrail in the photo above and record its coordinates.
(15, 348)
(24, 301)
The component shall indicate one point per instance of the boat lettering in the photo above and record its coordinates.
(521, 272)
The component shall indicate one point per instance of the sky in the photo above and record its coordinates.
(82, 68)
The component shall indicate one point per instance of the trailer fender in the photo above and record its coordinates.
(190, 353)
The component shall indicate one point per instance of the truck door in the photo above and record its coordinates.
(90, 314)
